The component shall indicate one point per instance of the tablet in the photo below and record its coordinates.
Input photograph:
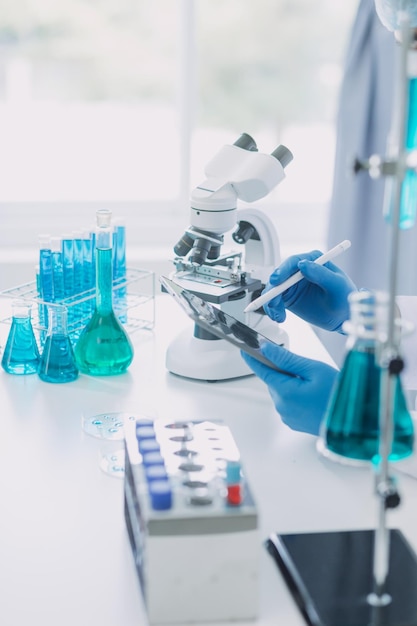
(219, 323)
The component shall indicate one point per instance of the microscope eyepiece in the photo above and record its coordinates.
(246, 142)
(244, 232)
(283, 155)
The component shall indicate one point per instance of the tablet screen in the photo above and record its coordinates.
(219, 323)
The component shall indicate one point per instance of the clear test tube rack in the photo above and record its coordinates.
(135, 292)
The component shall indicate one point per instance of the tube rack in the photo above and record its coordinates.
(133, 295)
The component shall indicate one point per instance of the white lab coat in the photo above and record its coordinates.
(363, 125)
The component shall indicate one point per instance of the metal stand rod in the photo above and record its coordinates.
(391, 363)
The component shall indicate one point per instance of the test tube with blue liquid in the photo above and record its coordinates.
(78, 272)
(57, 270)
(408, 203)
(119, 270)
(45, 278)
(88, 274)
(38, 290)
(68, 271)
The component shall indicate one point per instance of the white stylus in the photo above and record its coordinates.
(295, 278)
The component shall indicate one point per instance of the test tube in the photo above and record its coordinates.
(45, 279)
(78, 272)
(119, 249)
(88, 272)
(57, 270)
(119, 270)
(45, 268)
(68, 264)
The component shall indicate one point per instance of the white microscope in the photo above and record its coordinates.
(230, 280)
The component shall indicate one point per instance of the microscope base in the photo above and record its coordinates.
(204, 359)
(330, 576)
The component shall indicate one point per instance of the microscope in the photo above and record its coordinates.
(231, 279)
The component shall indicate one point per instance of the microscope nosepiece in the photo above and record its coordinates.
(200, 251)
(184, 245)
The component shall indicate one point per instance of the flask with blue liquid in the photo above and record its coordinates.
(351, 427)
(57, 363)
(21, 353)
(104, 347)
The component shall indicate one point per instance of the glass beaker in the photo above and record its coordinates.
(57, 364)
(350, 430)
(104, 347)
(21, 353)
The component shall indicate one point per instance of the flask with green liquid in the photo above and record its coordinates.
(104, 347)
(350, 430)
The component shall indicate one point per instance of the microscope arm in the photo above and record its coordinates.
(262, 250)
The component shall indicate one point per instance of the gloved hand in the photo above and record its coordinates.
(320, 298)
(301, 400)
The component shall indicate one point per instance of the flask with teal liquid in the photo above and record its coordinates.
(57, 363)
(21, 353)
(104, 347)
(350, 430)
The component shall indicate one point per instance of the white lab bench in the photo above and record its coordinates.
(65, 556)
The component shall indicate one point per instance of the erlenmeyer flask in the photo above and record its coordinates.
(57, 364)
(104, 347)
(21, 354)
(350, 430)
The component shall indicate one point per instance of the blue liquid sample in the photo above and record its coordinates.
(58, 276)
(408, 202)
(21, 354)
(119, 273)
(68, 266)
(45, 273)
(351, 425)
(119, 256)
(77, 309)
(78, 264)
(104, 348)
(409, 188)
(57, 362)
(45, 279)
(88, 274)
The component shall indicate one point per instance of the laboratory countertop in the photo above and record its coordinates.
(65, 556)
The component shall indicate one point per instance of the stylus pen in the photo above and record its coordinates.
(295, 278)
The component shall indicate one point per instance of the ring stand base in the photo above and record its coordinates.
(330, 576)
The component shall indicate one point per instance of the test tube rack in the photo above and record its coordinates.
(137, 289)
(192, 522)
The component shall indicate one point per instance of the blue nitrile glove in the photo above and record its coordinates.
(301, 400)
(321, 298)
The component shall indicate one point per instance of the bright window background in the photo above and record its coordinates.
(121, 103)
